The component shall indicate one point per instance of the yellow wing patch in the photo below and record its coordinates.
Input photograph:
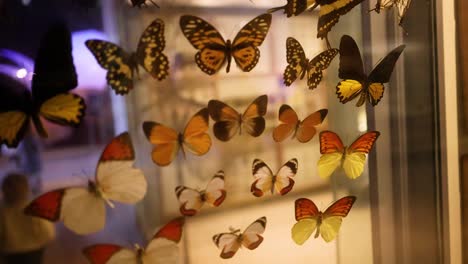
(347, 90)
(328, 163)
(376, 91)
(11, 125)
(67, 109)
(303, 229)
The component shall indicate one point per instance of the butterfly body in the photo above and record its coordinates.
(214, 52)
(310, 219)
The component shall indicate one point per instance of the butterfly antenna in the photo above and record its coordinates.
(328, 43)
(156, 5)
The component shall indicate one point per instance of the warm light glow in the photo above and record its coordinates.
(362, 121)
(21, 73)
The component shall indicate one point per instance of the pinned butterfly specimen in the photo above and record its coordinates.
(329, 14)
(54, 77)
(266, 181)
(214, 51)
(167, 141)
(82, 209)
(251, 238)
(141, 3)
(161, 249)
(401, 5)
(353, 158)
(355, 82)
(228, 121)
(326, 224)
(304, 130)
(191, 200)
(121, 65)
(299, 65)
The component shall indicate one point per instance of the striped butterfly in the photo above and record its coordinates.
(352, 158)
(266, 181)
(214, 51)
(121, 65)
(329, 14)
(161, 249)
(299, 65)
(50, 98)
(251, 238)
(303, 130)
(401, 5)
(310, 219)
(357, 83)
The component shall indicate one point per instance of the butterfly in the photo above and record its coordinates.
(228, 121)
(161, 249)
(82, 209)
(353, 158)
(326, 224)
(141, 3)
(251, 238)
(191, 200)
(355, 82)
(266, 181)
(299, 65)
(304, 130)
(167, 141)
(401, 5)
(330, 12)
(50, 97)
(214, 51)
(121, 65)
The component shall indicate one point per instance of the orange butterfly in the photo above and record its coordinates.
(335, 153)
(327, 223)
(191, 200)
(228, 121)
(167, 141)
(304, 130)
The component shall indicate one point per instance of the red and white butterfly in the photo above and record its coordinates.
(191, 200)
(82, 209)
(251, 238)
(266, 181)
(162, 249)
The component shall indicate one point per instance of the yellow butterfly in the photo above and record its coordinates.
(214, 51)
(327, 223)
(401, 5)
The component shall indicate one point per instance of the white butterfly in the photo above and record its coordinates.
(266, 181)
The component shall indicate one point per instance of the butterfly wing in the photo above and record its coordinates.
(205, 38)
(330, 13)
(149, 51)
(381, 74)
(294, 7)
(351, 70)
(355, 157)
(297, 61)
(117, 63)
(110, 254)
(332, 149)
(47, 206)
(263, 178)
(116, 177)
(227, 120)
(283, 180)
(317, 65)
(190, 200)
(252, 119)
(64, 109)
(289, 120)
(165, 141)
(306, 130)
(215, 192)
(163, 247)
(333, 217)
(306, 213)
(196, 138)
(251, 238)
(252, 35)
(228, 243)
(402, 7)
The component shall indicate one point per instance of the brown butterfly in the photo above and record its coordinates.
(140, 3)
(214, 51)
(228, 121)
(304, 130)
(121, 65)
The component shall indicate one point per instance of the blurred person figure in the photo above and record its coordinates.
(23, 238)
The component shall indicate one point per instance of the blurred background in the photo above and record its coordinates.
(403, 209)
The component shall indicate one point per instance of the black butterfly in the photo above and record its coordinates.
(54, 76)
(330, 12)
(121, 65)
(141, 3)
(355, 82)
